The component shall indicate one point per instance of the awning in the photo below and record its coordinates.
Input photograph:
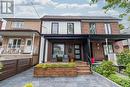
(19, 32)
(100, 37)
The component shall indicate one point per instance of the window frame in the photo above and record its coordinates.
(90, 28)
(108, 28)
(52, 27)
(68, 28)
(12, 43)
(15, 23)
(58, 44)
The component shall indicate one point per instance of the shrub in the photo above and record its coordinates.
(28, 85)
(120, 80)
(123, 58)
(106, 68)
(56, 65)
(127, 70)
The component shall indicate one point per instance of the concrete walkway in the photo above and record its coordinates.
(80, 81)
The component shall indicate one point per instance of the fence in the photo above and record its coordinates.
(12, 67)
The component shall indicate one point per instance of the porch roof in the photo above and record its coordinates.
(25, 32)
(110, 37)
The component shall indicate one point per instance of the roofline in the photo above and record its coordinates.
(79, 19)
(25, 30)
(21, 18)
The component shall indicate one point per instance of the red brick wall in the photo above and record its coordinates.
(115, 28)
(85, 28)
(100, 28)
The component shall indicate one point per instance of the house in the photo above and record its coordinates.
(126, 43)
(79, 38)
(21, 39)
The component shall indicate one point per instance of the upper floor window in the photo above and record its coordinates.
(55, 27)
(17, 24)
(70, 28)
(92, 28)
(108, 28)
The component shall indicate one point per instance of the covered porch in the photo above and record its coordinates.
(83, 47)
(19, 44)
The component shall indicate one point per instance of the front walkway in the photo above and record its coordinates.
(80, 81)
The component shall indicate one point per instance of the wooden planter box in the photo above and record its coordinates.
(40, 72)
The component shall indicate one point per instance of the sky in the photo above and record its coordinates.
(24, 8)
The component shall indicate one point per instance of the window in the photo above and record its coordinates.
(109, 50)
(58, 50)
(92, 28)
(77, 52)
(14, 43)
(55, 27)
(70, 28)
(17, 24)
(107, 28)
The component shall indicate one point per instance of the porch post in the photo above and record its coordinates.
(87, 50)
(107, 45)
(44, 50)
(33, 43)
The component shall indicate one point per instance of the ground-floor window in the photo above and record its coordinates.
(108, 50)
(14, 43)
(58, 50)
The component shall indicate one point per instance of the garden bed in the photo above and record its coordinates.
(55, 69)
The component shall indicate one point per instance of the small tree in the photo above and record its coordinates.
(127, 70)
(106, 68)
(123, 58)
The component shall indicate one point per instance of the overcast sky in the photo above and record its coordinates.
(23, 8)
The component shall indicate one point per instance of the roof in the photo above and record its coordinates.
(54, 17)
(99, 37)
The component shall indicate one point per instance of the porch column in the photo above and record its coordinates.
(33, 43)
(44, 50)
(107, 45)
(87, 50)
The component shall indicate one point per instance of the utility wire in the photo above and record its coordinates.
(35, 10)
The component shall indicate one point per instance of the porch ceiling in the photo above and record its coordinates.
(99, 37)
(19, 33)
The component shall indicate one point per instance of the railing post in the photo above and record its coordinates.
(33, 43)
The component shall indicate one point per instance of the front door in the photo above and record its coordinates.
(77, 52)
(28, 46)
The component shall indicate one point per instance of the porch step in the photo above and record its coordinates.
(83, 68)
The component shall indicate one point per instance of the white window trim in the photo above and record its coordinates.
(12, 44)
(16, 24)
(108, 28)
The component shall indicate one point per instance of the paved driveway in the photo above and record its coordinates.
(81, 81)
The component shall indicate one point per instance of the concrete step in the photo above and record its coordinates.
(83, 68)
(84, 72)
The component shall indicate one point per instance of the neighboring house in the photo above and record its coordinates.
(21, 39)
(79, 38)
(126, 43)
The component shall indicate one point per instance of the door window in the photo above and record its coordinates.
(77, 52)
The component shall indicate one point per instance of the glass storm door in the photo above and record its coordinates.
(28, 46)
